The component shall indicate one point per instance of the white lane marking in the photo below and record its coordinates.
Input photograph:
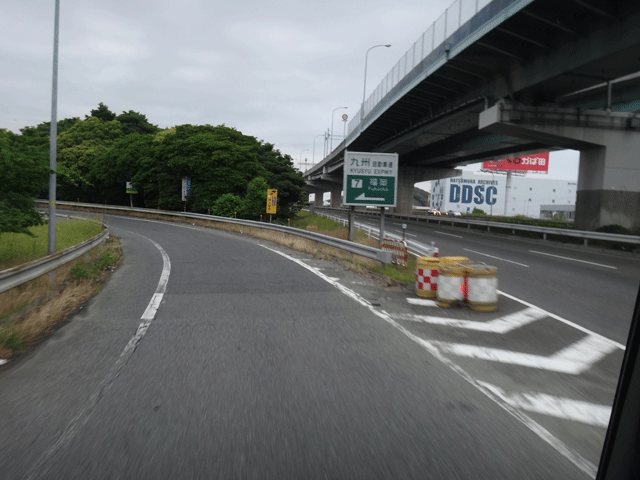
(411, 235)
(422, 301)
(497, 258)
(580, 462)
(449, 234)
(574, 359)
(39, 469)
(566, 322)
(574, 259)
(559, 407)
(497, 325)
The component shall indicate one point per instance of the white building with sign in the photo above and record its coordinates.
(487, 192)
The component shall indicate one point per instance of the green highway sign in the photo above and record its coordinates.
(370, 179)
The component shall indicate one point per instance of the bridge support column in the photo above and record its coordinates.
(318, 201)
(409, 176)
(608, 190)
(336, 196)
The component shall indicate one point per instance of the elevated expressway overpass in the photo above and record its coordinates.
(490, 80)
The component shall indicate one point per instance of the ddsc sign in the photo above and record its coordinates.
(469, 194)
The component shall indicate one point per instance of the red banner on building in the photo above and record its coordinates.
(538, 162)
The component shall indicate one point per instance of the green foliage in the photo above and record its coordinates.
(102, 113)
(538, 222)
(303, 219)
(92, 270)
(227, 205)
(134, 122)
(477, 211)
(10, 338)
(18, 248)
(421, 197)
(254, 203)
(617, 229)
(98, 155)
(24, 175)
(79, 150)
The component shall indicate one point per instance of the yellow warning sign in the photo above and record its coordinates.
(272, 201)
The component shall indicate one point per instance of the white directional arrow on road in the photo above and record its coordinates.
(498, 325)
(574, 359)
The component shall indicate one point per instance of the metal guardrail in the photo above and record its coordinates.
(15, 276)
(584, 235)
(351, 247)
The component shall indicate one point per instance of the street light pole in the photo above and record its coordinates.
(313, 155)
(53, 136)
(332, 114)
(364, 90)
(305, 150)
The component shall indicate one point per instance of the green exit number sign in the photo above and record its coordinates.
(370, 179)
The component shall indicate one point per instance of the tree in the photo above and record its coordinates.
(129, 158)
(219, 160)
(227, 205)
(23, 177)
(282, 176)
(254, 203)
(134, 122)
(79, 149)
(102, 113)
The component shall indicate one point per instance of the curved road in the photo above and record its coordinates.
(228, 357)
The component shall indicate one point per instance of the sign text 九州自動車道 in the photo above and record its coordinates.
(370, 179)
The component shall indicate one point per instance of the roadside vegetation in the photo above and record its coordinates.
(30, 311)
(229, 172)
(390, 273)
(19, 248)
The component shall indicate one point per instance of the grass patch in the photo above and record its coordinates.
(398, 272)
(393, 273)
(31, 310)
(18, 248)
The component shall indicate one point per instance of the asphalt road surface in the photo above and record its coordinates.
(211, 355)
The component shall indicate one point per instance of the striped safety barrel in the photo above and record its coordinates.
(427, 276)
(482, 287)
(451, 284)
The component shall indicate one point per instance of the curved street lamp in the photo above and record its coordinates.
(364, 90)
(332, 114)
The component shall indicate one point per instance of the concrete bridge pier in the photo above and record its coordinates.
(408, 176)
(609, 143)
(336, 196)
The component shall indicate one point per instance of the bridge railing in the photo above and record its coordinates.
(459, 13)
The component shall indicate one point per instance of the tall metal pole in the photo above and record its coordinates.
(53, 136)
(313, 156)
(507, 192)
(364, 90)
(305, 150)
(332, 114)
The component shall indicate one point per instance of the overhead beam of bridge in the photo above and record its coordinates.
(608, 190)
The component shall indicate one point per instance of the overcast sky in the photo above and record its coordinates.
(273, 70)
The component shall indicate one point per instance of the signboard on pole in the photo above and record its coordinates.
(370, 179)
(272, 201)
(131, 189)
(538, 162)
(186, 188)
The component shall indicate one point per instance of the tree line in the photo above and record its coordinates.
(230, 172)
